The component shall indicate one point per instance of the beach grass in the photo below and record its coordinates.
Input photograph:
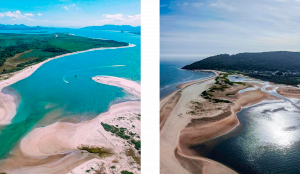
(102, 152)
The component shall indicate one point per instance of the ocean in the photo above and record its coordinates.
(171, 75)
(53, 92)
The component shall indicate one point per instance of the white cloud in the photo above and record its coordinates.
(67, 7)
(235, 26)
(134, 17)
(28, 14)
(115, 16)
(120, 19)
(16, 14)
(40, 14)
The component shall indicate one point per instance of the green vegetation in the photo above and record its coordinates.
(126, 172)
(230, 94)
(121, 132)
(22, 50)
(265, 61)
(102, 152)
(221, 84)
(137, 144)
(278, 67)
(220, 101)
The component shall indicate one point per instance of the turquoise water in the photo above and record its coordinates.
(171, 75)
(45, 97)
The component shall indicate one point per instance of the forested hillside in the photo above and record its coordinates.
(20, 50)
(266, 61)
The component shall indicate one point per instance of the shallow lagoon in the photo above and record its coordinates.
(45, 97)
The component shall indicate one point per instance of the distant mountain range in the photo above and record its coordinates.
(128, 28)
(265, 61)
(20, 27)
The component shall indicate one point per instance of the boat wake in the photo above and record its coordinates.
(64, 79)
(74, 74)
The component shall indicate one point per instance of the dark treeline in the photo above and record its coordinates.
(43, 46)
(266, 61)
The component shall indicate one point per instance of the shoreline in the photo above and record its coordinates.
(188, 82)
(187, 132)
(8, 112)
(129, 85)
(176, 96)
(62, 141)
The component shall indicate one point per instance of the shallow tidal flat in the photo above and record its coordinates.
(266, 141)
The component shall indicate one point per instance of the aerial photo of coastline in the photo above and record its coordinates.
(70, 87)
(232, 69)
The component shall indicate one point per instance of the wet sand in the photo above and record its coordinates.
(180, 131)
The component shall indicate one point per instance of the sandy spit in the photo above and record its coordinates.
(177, 136)
(130, 86)
(57, 145)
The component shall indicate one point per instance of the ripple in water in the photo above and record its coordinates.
(266, 142)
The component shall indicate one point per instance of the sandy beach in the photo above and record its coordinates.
(130, 86)
(61, 141)
(7, 108)
(181, 130)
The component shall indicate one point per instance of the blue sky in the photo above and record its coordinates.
(196, 29)
(70, 13)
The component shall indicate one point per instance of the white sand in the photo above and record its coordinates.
(66, 138)
(8, 111)
(61, 137)
(130, 86)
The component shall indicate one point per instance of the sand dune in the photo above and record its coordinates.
(57, 145)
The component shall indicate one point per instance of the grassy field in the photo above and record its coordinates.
(18, 51)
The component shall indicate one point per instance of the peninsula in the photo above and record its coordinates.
(203, 110)
(279, 66)
(22, 50)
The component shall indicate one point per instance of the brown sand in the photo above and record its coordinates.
(291, 92)
(180, 131)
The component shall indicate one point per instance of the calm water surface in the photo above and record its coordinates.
(267, 141)
(171, 76)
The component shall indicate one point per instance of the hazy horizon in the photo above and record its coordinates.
(70, 13)
(193, 30)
